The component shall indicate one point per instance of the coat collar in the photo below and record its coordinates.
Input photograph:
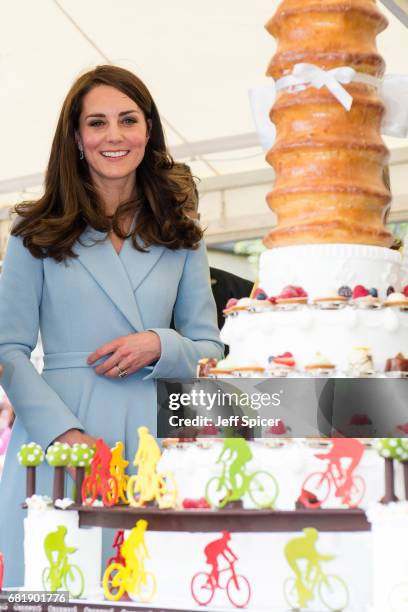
(118, 275)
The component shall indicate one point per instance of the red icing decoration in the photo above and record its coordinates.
(360, 291)
(405, 291)
(231, 303)
(279, 429)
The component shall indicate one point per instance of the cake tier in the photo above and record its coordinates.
(254, 337)
(331, 33)
(319, 268)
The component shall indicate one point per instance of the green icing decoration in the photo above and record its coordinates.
(58, 454)
(402, 449)
(30, 455)
(390, 448)
(81, 455)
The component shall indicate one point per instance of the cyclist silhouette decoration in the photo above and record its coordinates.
(237, 452)
(100, 480)
(331, 589)
(235, 481)
(128, 574)
(215, 549)
(148, 485)
(117, 545)
(118, 464)
(204, 584)
(343, 457)
(60, 571)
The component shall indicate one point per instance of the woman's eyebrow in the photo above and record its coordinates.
(120, 114)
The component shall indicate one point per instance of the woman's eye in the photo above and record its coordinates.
(129, 120)
(96, 123)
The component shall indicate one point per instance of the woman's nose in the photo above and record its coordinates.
(114, 133)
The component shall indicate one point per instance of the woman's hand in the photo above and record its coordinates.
(128, 354)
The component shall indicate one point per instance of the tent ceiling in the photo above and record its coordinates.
(198, 58)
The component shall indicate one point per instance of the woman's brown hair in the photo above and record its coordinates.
(51, 225)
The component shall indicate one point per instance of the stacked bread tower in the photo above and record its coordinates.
(332, 296)
(328, 161)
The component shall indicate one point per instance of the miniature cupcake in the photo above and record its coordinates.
(396, 300)
(330, 300)
(361, 362)
(281, 365)
(291, 297)
(320, 366)
(260, 302)
(235, 306)
(397, 367)
(365, 298)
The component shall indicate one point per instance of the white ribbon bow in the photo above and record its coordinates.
(314, 76)
(393, 90)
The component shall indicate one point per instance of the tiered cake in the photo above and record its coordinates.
(332, 297)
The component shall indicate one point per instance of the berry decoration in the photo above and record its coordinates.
(345, 291)
(359, 291)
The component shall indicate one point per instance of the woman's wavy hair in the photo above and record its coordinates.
(166, 189)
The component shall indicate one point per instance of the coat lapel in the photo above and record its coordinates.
(108, 269)
(138, 264)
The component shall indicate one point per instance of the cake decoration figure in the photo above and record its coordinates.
(148, 484)
(131, 575)
(117, 544)
(100, 481)
(80, 459)
(204, 584)
(234, 481)
(117, 469)
(307, 586)
(343, 458)
(60, 572)
(58, 456)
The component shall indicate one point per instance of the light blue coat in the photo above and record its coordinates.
(78, 306)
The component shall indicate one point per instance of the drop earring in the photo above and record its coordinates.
(81, 152)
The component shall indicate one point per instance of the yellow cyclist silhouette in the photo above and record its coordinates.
(148, 484)
(304, 548)
(131, 577)
(117, 468)
(134, 549)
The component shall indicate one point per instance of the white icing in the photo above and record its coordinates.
(318, 266)
(253, 337)
(87, 541)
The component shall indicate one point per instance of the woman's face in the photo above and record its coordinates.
(113, 133)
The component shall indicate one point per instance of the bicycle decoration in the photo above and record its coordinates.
(118, 465)
(234, 481)
(30, 455)
(131, 576)
(148, 484)
(117, 545)
(80, 459)
(204, 584)
(342, 459)
(311, 583)
(60, 573)
(100, 481)
(58, 456)
(391, 449)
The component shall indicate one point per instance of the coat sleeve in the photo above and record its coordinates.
(195, 319)
(42, 412)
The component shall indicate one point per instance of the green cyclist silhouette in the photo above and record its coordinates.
(304, 548)
(57, 553)
(237, 453)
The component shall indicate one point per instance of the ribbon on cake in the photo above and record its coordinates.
(393, 90)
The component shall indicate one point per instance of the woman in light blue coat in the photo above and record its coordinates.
(100, 265)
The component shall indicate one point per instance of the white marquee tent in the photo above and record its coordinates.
(199, 60)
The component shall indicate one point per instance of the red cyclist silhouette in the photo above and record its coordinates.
(215, 549)
(350, 488)
(100, 464)
(117, 544)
